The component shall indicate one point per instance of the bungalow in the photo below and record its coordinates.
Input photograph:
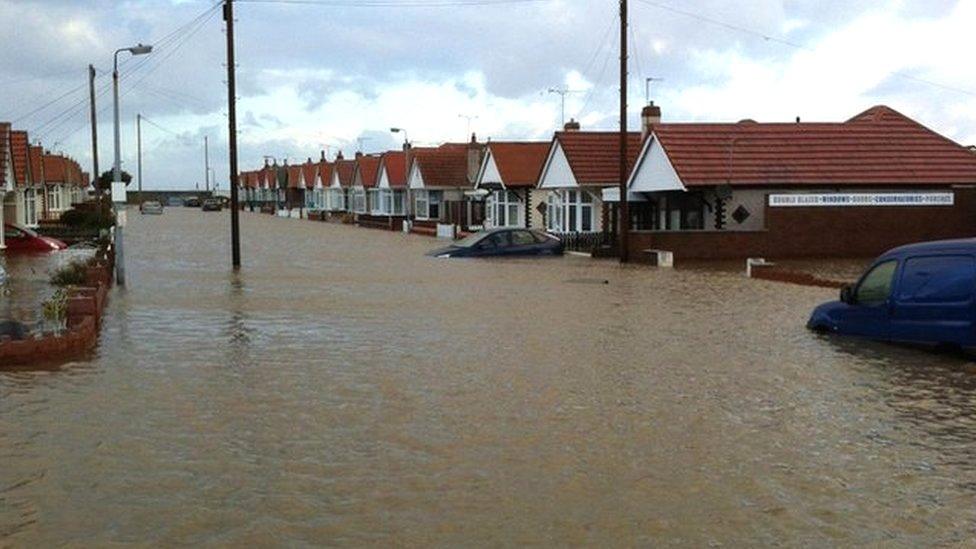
(315, 200)
(509, 173)
(338, 199)
(28, 199)
(294, 188)
(440, 181)
(387, 198)
(62, 179)
(363, 182)
(579, 167)
(796, 189)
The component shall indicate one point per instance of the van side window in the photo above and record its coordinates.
(937, 279)
(875, 287)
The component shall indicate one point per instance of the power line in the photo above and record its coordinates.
(394, 3)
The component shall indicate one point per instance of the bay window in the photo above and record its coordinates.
(54, 198)
(503, 209)
(359, 200)
(570, 211)
(427, 204)
(30, 207)
(399, 204)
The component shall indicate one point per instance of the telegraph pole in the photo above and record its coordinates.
(94, 128)
(623, 209)
(139, 156)
(235, 228)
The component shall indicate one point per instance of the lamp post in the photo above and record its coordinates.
(118, 187)
(406, 141)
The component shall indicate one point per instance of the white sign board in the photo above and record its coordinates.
(118, 191)
(832, 200)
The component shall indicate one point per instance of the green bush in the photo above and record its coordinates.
(74, 273)
(89, 219)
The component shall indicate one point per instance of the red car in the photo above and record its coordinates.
(21, 239)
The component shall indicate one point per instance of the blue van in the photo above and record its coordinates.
(918, 294)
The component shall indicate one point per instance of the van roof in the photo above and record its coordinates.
(955, 245)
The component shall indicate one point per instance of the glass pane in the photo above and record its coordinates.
(875, 287)
(946, 279)
(572, 218)
(512, 215)
(522, 238)
(587, 221)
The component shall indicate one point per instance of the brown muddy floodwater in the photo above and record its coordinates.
(345, 389)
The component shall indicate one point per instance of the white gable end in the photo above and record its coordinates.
(335, 180)
(416, 179)
(489, 174)
(384, 180)
(557, 174)
(654, 171)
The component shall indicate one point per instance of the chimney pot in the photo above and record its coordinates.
(359, 154)
(323, 155)
(339, 156)
(797, 119)
(572, 125)
(650, 115)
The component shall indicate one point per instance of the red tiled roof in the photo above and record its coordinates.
(294, 176)
(594, 157)
(519, 162)
(446, 166)
(878, 146)
(309, 171)
(37, 163)
(55, 170)
(368, 167)
(20, 149)
(325, 172)
(395, 164)
(346, 170)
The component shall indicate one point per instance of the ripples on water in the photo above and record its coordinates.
(346, 389)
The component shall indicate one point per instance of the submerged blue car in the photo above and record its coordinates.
(916, 294)
(502, 242)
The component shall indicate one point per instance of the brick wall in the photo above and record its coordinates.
(821, 232)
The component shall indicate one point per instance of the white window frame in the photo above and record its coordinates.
(565, 210)
(504, 209)
(359, 200)
(30, 207)
(398, 202)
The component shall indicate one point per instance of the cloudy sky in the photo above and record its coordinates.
(337, 74)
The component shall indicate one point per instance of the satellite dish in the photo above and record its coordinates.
(724, 192)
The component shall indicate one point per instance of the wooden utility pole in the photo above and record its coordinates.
(206, 163)
(139, 156)
(94, 128)
(623, 221)
(235, 228)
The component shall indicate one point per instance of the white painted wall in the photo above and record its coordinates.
(654, 171)
(557, 173)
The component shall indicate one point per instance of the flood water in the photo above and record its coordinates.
(345, 389)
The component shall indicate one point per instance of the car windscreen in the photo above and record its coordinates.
(469, 240)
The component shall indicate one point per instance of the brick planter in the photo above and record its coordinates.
(84, 315)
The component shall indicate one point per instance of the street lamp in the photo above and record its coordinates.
(404, 132)
(118, 188)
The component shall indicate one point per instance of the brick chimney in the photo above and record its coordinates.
(339, 156)
(359, 154)
(572, 126)
(323, 155)
(475, 151)
(650, 115)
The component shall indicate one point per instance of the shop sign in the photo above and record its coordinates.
(830, 200)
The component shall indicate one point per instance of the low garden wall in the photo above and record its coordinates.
(83, 317)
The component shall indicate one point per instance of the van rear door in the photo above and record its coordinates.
(933, 300)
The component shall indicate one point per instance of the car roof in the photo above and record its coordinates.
(959, 245)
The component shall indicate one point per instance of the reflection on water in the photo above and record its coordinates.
(344, 388)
